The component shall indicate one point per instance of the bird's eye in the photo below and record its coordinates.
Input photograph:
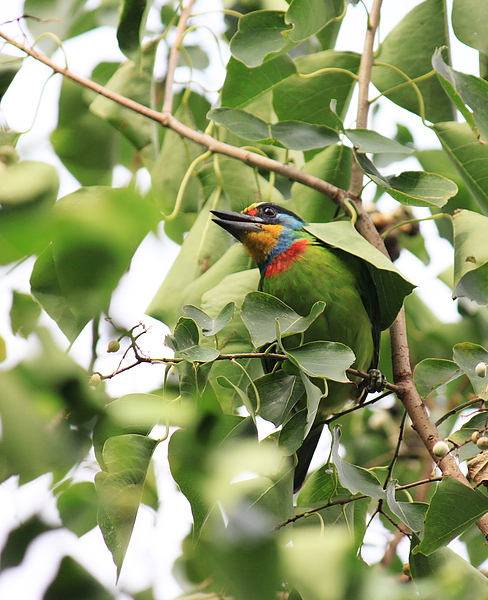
(268, 211)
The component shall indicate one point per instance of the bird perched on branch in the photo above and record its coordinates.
(300, 270)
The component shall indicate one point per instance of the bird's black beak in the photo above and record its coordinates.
(236, 223)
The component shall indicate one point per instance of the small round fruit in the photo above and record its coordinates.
(475, 436)
(440, 449)
(95, 380)
(482, 443)
(113, 346)
(480, 369)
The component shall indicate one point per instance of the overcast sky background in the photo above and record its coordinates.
(157, 536)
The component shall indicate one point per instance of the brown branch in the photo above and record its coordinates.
(173, 58)
(253, 159)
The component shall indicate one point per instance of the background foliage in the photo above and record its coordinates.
(287, 95)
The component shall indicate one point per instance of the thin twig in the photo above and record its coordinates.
(173, 57)
(253, 159)
(344, 501)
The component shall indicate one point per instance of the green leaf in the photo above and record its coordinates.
(241, 123)
(243, 84)
(366, 140)
(28, 191)
(333, 165)
(391, 286)
(465, 90)
(260, 37)
(96, 232)
(9, 67)
(414, 188)
(260, 312)
(75, 582)
(470, 256)
(323, 359)
(24, 314)
(208, 325)
(467, 356)
(409, 48)
(297, 135)
(185, 340)
(431, 373)
(469, 23)
(410, 513)
(307, 99)
(244, 398)
(278, 393)
(453, 508)
(78, 507)
(134, 82)
(454, 577)
(204, 245)
(469, 157)
(355, 479)
(119, 487)
(308, 17)
(292, 134)
(131, 23)
(293, 432)
(79, 133)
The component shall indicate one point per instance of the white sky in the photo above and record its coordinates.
(156, 539)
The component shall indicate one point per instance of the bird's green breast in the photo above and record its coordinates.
(334, 277)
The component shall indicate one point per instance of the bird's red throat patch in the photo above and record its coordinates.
(284, 260)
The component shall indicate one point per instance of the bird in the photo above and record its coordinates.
(299, 269)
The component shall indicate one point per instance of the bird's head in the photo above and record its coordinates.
(265, 229)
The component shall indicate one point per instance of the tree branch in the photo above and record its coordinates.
(173, 58)
(253, 159)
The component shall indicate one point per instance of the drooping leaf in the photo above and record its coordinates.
(119, 487)
(410, 513)
(260, 312)
(465, 90)
(469, 24)
(208, 325)
(470, 256)
(415, 188)
(391, 286)
(453, 508)
(431, 373)
(278, 393)
(409, 48)
(184, 341)
(467, 356)
(355, 479)
(131, 23)
(469, 157)
(78, 507)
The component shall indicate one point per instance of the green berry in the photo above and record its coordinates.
(113, 346)
(482, 443)
(440, 449)
(475, 436)
(480, 369)
(95, 380)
